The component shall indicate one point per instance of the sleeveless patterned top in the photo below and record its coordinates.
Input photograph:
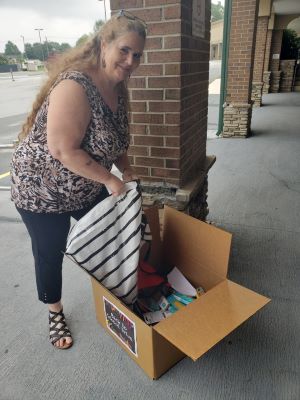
(40, 183)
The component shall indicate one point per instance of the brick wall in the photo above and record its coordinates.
(275, 63)
(194, 96)
(287, 68)
(268, 50)
(259, 58)
(241, 50)
(260, 47)
(238, 110)
(169, 93)
(275, 49)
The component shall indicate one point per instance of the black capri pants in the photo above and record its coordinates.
(48, 233)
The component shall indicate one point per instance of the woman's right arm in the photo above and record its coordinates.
(68, 117)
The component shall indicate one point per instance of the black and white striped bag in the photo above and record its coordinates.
(106, 242)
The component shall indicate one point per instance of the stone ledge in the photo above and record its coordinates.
(237, 118)
(184, 194)
(235, 136)
(191, 198)
(256, 93)
(237, 105)
(276, 74)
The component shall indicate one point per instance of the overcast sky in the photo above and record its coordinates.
(61, 20)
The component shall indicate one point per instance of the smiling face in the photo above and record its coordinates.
(122, 56)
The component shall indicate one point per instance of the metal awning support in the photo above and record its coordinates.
(225, 50)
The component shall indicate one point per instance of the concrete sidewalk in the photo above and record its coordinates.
(254, 192)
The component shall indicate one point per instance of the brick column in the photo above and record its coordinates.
(267, 72)
(169, 97)
(287, 68)
(275, 60)
(237, 109)
(259, 57)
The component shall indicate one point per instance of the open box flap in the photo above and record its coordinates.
(195, 247)
(204, 322)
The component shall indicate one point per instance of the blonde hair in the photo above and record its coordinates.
(84, 58)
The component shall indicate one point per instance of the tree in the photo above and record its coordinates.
(82, 40)
(98, 24)
(37, 50)
(217, 11)
(3, 60)
(11, 49)
(85, 37)
(29, 51)
(64, 47)
(290, 45)
(53, 47)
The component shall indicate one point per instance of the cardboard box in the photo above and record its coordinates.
(201, 252)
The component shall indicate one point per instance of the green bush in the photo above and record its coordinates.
(290, 45)
(3, 60)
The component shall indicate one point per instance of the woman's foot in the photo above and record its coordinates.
(60, 335)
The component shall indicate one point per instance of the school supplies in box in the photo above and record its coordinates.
(168, 306)
(182, 298)
(179, 282)
(200, 291)
(159, 296)
(163, 303)
(154, 317)
(148, 276)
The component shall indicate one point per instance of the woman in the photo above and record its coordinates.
(77, 129)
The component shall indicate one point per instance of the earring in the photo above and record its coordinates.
(103, 63)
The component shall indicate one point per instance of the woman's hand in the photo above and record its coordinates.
(129, 175)
(123, 165)
(115, 185)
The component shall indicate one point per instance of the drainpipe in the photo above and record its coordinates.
(225, 49)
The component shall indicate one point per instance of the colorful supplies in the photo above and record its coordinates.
(159, 297)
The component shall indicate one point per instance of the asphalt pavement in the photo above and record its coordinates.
(17, 95)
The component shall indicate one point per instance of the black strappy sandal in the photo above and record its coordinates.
(58, 329)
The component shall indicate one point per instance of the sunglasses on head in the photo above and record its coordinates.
(128, 15)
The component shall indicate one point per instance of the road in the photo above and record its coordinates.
(17, 96)
(214, 70)
(9, 130)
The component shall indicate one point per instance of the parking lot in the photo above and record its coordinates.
(17, 94)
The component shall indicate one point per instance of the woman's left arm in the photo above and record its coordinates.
(123, 165)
